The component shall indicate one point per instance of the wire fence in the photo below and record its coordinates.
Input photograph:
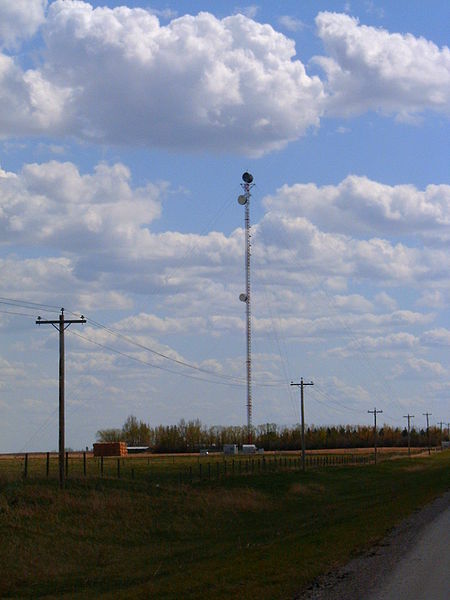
(181, 468)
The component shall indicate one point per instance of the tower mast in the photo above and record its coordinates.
(244, 200)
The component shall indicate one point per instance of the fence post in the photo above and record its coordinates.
(25, 466)
(47, 466)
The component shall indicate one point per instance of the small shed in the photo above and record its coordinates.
(248, 449)
(110, 449)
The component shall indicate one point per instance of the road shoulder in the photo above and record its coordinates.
(362, 575)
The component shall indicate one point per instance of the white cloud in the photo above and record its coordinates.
(432, 299)
(388, 345)
(197, 83)
(373, 69)
(383, 299)
(19, 19)
(201, 83)
(361, 206)
(29, 103)
(436, 337)
(53, 205)
(102, 226)
(293, 246)
(418, 366)
(249, 11)
(291, 23)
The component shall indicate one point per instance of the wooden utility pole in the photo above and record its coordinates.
(441, 425)
(375, 412)
(428, 431)
(301, 385)
(409, 417)
(61, 325)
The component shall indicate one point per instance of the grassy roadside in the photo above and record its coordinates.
(263, 536)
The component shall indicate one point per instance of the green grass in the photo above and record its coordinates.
(264, 536)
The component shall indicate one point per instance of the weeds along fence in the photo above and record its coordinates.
(171, 469)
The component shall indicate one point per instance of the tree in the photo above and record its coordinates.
(109, 435)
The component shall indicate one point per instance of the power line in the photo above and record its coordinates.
(162, 368)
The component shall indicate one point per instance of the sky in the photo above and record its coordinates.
(125, 128)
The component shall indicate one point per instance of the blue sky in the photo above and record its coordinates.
(124, 131)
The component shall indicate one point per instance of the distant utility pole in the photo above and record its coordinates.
(375, 412)
(409, 417)
(441, 425)
(428, 431)
(301, 385)
(61, 325)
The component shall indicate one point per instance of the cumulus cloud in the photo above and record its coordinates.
(201, 83)
(103, 225)
(387, 345)
(20, 19)
(436, 337)
(415, 367)
(53, 205)
(372, 69)
(360, 206)
(197, 83)
(299, 246)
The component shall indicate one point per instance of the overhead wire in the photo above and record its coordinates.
(160, 367)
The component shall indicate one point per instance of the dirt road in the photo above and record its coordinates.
(412, 562)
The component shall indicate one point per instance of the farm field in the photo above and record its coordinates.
(258, 534)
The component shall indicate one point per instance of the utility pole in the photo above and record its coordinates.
(441, 425)
(409, 417)
(61, 325)
(375, 412)
(301, 385)
(244, 200)
(428, 431)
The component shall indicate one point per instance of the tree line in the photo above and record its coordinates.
(191, 436)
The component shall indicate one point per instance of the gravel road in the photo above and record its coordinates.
(412, 562)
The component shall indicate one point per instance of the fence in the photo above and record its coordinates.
(170, 469)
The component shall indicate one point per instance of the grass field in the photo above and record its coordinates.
(262, 535)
